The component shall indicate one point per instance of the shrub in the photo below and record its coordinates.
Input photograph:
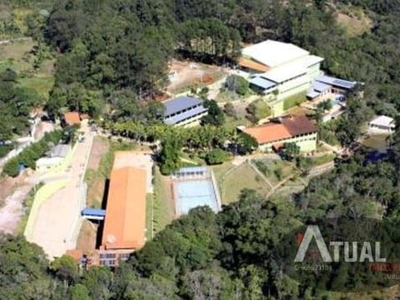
(31, 153)
(294, 100)
(11, 168)
(216, 157)
(237, 84)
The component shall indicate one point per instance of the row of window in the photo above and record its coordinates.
(293, 78)
(111, 262)
(108, 256)
(194, 119)
(182, 111)
(308, 137)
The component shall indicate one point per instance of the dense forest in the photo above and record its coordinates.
(16, 105)
(117, 52)
(109, 47)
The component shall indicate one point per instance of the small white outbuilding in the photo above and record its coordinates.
(382, 124)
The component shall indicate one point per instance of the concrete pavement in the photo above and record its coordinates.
(59, 217)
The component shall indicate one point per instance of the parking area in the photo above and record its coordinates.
(137, 159)
(58, 218)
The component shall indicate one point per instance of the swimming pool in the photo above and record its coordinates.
(194, 193)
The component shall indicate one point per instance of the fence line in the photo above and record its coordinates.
(216, 191)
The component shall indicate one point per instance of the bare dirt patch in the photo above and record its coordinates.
(13, 193)
(354, 23)
(184, 75)
(8, 186)
(99, 148)
(42, 128)
(87, 237)
(94, 176)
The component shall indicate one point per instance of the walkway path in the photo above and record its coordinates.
(259, 173)
(57, 218)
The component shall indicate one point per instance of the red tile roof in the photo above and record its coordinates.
(268, 133)
(281, 129)
(72, 118)
(125, 220)
(298, 125)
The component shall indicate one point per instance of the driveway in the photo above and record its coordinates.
(58, 219)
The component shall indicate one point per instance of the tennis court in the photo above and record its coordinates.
(192, 191)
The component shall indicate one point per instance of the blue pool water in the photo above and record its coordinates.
(194, 193)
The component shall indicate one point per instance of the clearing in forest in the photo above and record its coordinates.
(184, 75)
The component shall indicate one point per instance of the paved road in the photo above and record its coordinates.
(58, 217)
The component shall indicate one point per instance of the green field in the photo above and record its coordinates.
(376, 142)
(163, 206)
(274, 170)
(42, 85)
(242, 177)
(149, 216)
(18, 57)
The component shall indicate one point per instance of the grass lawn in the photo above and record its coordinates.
(163, 205)
(376, 142)
(15, 50)
(16, 55)
(353, 20)
(220, 170)
(298, 111)
(149, 216)
(294, 100)
(232, 123)
(274, 170)
(42, 85)
(317, 161)
(242, 177)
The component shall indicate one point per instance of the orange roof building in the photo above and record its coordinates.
(124, 228)
(72, 118)
(286, 129)
(125, 220)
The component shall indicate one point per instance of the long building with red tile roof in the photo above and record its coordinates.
(286, 129)
(124, 228)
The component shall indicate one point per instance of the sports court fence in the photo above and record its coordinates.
(192, 187)
(191, 173)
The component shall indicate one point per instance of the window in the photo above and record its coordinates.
(110, 262)
(124, 256)
(110, 255)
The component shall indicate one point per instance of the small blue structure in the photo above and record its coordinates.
(93, 213)
(262, 83)
(337, 83)
(374, 157)
(21, 167)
